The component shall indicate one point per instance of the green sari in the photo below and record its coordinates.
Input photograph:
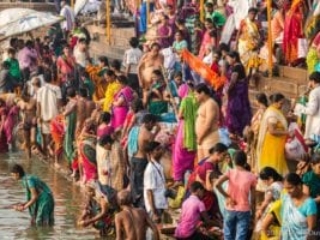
(42, 211)
(69, 138)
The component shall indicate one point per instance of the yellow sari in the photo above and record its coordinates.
(270, 148)
(274, 229)
(112, 89)
(248, 43)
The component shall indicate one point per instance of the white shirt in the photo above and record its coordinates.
(132, 56)
(154, 180)
(312, 110)
(48, 96)
(68, 14)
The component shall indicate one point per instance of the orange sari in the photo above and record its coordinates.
(100, 86)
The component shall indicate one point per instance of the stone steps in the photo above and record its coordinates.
(119, 41)
(291, 82)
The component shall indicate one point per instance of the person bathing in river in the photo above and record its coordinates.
(40, 200)
(98, 211)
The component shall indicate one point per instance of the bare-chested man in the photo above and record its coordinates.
(149, 62)
(139, 159)
(85, 108)
(28, 106)
(207, 121)
(132, 223)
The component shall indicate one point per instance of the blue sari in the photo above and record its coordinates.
(294, 220)
(143, 26)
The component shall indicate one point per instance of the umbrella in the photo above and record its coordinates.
(27, 22)
(13, 14)
(79, 5)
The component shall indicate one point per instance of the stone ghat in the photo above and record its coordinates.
(292, 82)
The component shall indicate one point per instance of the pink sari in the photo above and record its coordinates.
(10, 122)
(206, 40)
(183, 159)
(119, 113)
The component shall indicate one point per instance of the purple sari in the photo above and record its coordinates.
(238, 109)
(164, 31)
(119, 113)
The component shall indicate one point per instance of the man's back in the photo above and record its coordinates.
(133, 222)
(143, 139)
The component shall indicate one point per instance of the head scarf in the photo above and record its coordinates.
(183, 91)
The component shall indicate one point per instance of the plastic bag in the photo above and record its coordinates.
(295, 147)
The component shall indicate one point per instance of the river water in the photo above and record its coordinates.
(68, 203)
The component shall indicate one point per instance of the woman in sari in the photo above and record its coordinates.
(104, 127)
(248, 40)
(164, 32)
(238, 114)
(299, 211)
(185, 144)
(143, 21)
(261, 101)
(112, 88)
(87, 151)
(207, 39)
(274, 184)
(293, 31)
(206, 167)
(3, 136)
(39, 197)
(313, 56)
(121, 104)
(272, 137)
(312, 26)
(57, 132)
(155, 98)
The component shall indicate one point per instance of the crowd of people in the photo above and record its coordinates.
(171, 126)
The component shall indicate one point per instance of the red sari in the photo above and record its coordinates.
(293, 30)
